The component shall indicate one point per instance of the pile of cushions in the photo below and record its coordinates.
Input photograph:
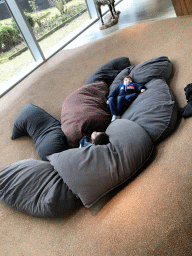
(89, 173)
(92, 171)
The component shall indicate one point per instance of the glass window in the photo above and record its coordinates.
(39, 28)
(14, 53)
(56, 23)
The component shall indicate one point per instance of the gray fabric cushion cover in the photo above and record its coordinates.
(44, 129)
(159, 67)
(155, 110)
(109, 71)
(92, 171)
(34, 187)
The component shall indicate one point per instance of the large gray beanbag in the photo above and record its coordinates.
(34, 187)
(92, 171)
(158, 67)
(155, 110)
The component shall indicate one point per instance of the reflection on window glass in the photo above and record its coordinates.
(14, 54)
(55, 23)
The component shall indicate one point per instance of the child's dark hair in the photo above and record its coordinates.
(101, 139)
(128, 77)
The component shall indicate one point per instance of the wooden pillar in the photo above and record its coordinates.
(182, 7)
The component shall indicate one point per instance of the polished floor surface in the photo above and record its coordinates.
(132, 12)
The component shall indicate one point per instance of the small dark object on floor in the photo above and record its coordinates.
(187, 110)
(111, 5)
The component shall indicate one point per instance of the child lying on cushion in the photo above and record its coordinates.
(120, 98)
(97, 138)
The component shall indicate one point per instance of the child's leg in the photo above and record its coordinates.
(113, 106)
(132, 96)
(122, 105)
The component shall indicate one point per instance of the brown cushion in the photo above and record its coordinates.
(84, 111)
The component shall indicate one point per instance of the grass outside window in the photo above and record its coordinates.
(50, 19)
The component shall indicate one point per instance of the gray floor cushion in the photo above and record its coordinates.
(92, 171)
(155, 110)
(44, 129)
(159, 67)
(34, 187)
(107, 72)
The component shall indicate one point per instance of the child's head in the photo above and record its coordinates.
(99, 138)
(127, 80)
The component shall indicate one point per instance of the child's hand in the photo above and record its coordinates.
(107, 102)
(142, 90)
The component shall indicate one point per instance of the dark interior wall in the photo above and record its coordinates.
(182, 7)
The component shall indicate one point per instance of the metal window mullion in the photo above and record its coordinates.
(91, 8)
(25, 29)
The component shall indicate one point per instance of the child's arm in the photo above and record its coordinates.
(140, 87)
(143, 90)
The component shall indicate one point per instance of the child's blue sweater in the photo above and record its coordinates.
(126, 90)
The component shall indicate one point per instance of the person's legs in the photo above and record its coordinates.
(113, 109)
(122, 105)
(132, 97)
(113, 106)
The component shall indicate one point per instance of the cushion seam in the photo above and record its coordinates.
(164, 69)
(170, 116)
